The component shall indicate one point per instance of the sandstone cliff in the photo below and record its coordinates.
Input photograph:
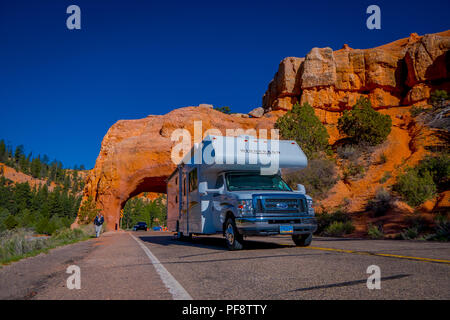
(399, 73)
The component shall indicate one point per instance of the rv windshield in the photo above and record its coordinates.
(254, 181)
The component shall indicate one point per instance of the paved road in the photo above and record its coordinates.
(153, 265)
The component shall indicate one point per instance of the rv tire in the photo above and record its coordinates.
(233, 238)
(302, 240)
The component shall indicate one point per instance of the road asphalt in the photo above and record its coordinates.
(154, 265)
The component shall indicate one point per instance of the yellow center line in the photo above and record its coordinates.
(379, 254)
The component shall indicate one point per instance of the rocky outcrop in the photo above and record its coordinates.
(402, 72)
(135, 155)
(257, 112)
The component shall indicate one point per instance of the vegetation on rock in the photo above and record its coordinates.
(318, 177)
(421, 183)
(302, 125)
(363, 124)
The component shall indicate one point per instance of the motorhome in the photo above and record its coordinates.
(233, 186)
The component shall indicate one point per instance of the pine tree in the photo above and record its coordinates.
(88, 211)
(302, 125)
(3, 151)
(11, 222)
(35, 167)
(18, 154)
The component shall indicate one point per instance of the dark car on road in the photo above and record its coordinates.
(140, 226)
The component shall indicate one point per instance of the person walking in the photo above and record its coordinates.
(98, 222)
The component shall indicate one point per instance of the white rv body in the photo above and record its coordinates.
(218, 159)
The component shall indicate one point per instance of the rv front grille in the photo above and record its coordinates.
(279, 205)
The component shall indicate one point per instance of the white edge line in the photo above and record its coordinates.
(175, 288)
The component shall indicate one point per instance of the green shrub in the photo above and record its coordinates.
(417, 221)
(415, 111)
(19, 243)
(348, 152)
(387, 175)
(442, 230)
(318, 177)
(68, 234)
(225, 109)
(10, 222)
(439, 169)
(381, 203)
(421, 183)
(363, 124)
(438, 98)
(415, 188)
(302, 125)
(337, 229)
(374, 232)
(88, 211)
(353, 170)
(325, 219)
(383, 158)
(410, 233)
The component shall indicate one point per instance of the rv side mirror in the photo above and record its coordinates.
(203, 188)
(301, 189)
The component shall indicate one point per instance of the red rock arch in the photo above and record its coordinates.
(135, 155)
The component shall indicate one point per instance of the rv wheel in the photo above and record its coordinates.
(232, 236)
(180, 236)
(302, 240)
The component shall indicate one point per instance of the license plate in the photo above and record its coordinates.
(286, 229)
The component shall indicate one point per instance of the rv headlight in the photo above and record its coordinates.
(310, 207)
(245, 207)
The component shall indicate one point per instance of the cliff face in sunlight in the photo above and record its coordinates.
(399, 73)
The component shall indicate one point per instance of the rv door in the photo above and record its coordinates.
(194, 205)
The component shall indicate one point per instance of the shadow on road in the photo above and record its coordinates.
(349, 283)
(216, 243)
(338, 239)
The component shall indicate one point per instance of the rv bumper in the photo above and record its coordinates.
(265, 226)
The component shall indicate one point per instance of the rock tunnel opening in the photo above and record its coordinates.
(147, 207)
(145, 202)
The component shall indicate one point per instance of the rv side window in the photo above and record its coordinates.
(184, 186)
(219, 182)
(193, 181)
(176, 199)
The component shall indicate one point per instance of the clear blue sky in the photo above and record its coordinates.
(60, 89)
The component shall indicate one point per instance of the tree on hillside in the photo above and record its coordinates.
(3, 151)
(363, 124)
(18, 154)
(225, 109)
(36, 167)
(10, 222)
(302, 125)
(88, 211)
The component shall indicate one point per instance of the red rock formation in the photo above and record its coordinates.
(402, 72)
(135, 155)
